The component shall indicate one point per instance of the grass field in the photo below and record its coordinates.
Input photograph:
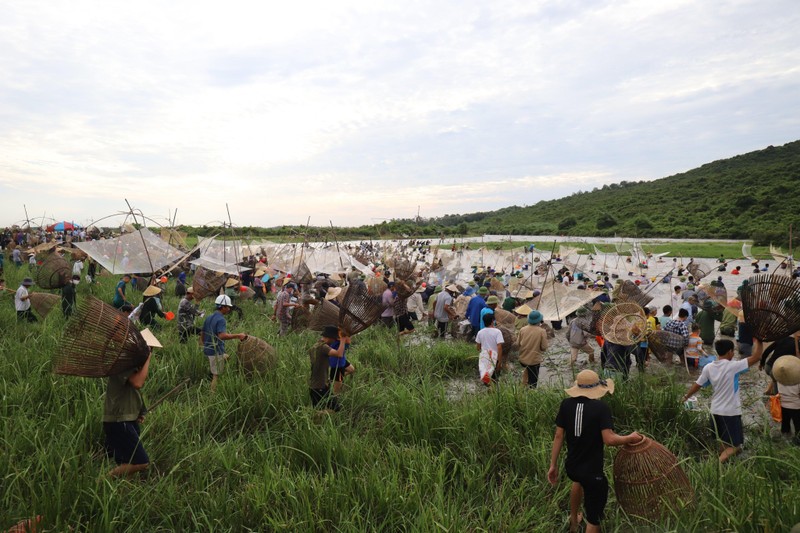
(401, 456)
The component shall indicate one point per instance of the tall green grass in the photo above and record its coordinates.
(403, 455)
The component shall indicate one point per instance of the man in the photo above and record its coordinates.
(726, 405)
(585, 423)
(68, 296)
(489, 342)
(679, 326)
(77, 268)
(319, 382)
(283, 307)
(532, 342)
(578, 339)
(214, 334)
(119, 292)
(187, 313)
(123, 412)
(22, 301)
(444, 311)
(415, 305)
(706, 319)
(690, 305)
(388, 298)
(474, 308)
(16, 256)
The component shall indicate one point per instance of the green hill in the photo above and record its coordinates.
(751, 196)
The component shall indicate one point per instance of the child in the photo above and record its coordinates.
(340, 367)
(319, 382)
(585, 423)
(663, 320)
(726, 405)
(489, 342)
(694, 350)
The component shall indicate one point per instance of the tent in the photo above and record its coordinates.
(63, 226)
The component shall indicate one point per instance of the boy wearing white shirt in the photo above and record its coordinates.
(726, 405)
(489, 341)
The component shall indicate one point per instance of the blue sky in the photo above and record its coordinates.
(360, 111)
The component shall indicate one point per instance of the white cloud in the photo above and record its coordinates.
(378, 104)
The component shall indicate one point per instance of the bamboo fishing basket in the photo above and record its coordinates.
(698, 270)
(359, 310)
(664, 344)
(256, 356)
(247, 293)
(99, 341)
(628, 291)
(624, 324)
(43, 302)
(404, 288)
(324, 314)
(303, 274)
(54, 272)
(509, 339)
(496, 285)
(301, 316)
(771, 306)
(207, 283)
(505, 318)
(648, 480)
(375, 284)
(402, 268)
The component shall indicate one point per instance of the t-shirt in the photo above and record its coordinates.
(212, 327)
(443, 299)
(123, 402)
(723, 376)
(489, 339)
(474, 311)
(338, 362)
(583, 421)
(319, 366)
(387, 299)
(119, 300)
(694, 347)
(790, 396)
(19, 303)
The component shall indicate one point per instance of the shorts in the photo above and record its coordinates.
(323, 399)
(595, 496)
(337, 373)
(728, 429)
(123, 444)
(404, 323)
(217, 363)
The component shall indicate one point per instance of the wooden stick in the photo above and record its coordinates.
(169, 393)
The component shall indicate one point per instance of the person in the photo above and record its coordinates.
(77, 268)
(578, 339)
(180, 284)
(123, 411)
(489, 342)
(68, 296)
(706, 319)
(258, 287)
(616, 359)
(283, 307)
(91, 274)
(340, 367)
(214, 334)
(585, 423)
(675, 300)
(694, 349)
(32, 261)
(474, 309)
(388, 298)
(532, 342)
(151, 307)
(491, 304)
(728, 322)
(416, 307)
(16, 256)
(444, 311)
(790, 405)
(401, 315)
(666, 317)
(736, 270)
(319, 382)
(679, 326)
(119, 292)
(744, 337)
(642, 350)
(726, 405)
(187, 313)
(22, 301)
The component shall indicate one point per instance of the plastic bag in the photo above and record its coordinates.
(775, 407)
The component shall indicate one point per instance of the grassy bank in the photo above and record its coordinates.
(401, 456)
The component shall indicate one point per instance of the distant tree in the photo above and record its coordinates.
(567, 223)
(463, 229)
(605, 221)
(642, 224)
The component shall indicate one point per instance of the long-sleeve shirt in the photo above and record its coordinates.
(187, 312)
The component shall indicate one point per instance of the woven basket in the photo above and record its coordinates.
(628, 291)
(505, 318)
(624, 324)
(509, 339)
(303, 274)
(375, 285)
(54, 272)
(256, 356)
(496, 285)
(99, 341)
(402, 268)
(359, 310)
(771, 306)
(324, 314)
(404, 288)
(43, 302)
(698, 270)
(664, 344)
(648, 480)
(247, 293)
(207, 283)
(301, 316)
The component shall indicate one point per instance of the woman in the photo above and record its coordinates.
(151, 307)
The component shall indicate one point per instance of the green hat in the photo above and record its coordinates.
(708, 304)
(483, 291)
(535, 317)
(492, 300)
(509, 304)
(471, 283)
(438, 289)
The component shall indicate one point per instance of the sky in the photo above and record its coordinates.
(354, 112)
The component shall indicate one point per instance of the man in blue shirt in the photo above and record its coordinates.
(214, 335)
(474, 309)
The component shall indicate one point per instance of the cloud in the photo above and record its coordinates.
(377, 104)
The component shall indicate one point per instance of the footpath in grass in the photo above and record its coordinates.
(403, 455)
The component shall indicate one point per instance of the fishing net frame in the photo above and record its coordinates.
(54, 272)
(255, 355)
(771, 305)
(664, 344)
(359, 309)
(324, 314)
(207, 282)
(628, 291)
(99, 341)
(43, 302)
(624, 323)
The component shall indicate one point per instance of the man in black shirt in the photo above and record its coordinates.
(586, 424)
